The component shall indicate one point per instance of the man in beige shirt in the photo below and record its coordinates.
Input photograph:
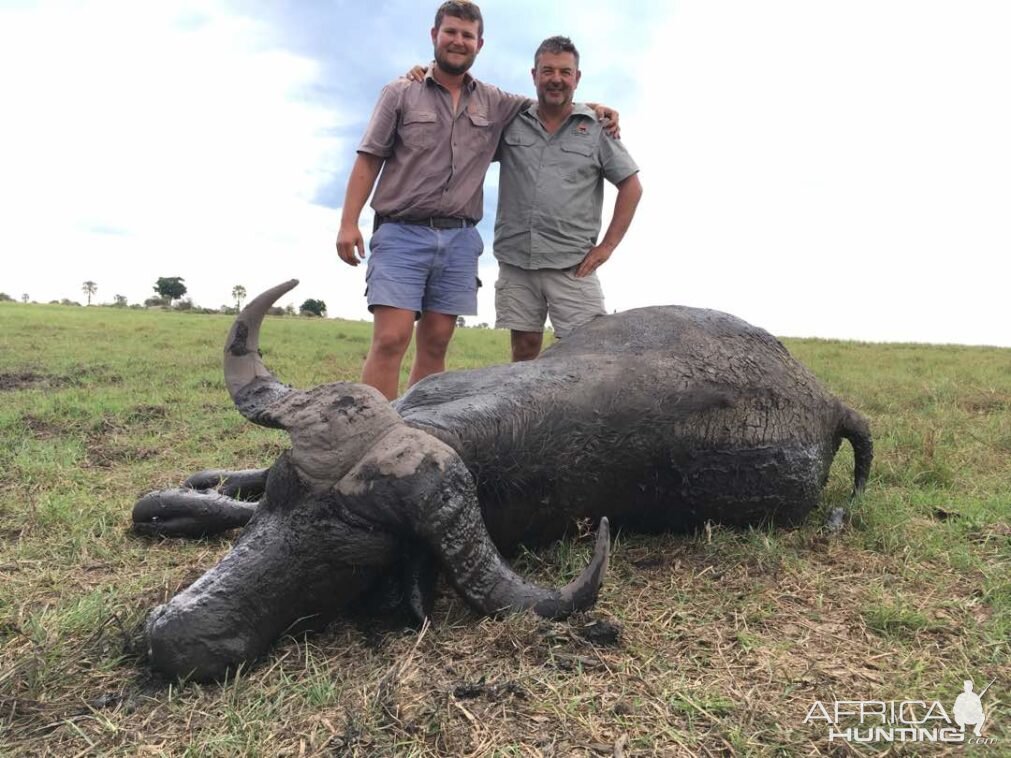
(434, 141)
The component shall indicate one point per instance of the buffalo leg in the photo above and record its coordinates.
(247, 484)
(189, 513)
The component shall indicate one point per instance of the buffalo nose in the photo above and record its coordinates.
(191, 645)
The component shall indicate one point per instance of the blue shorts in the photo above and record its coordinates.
(419, 269)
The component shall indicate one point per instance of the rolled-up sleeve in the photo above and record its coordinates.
(381, 132)
(615, 162)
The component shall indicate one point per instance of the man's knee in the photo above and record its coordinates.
(526, 345)
(431, 349)
(433, 346)
(390, 345)
(435, 330)
(391, 340)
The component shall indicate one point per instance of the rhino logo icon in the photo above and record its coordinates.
(969, 708)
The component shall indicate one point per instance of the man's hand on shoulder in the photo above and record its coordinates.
(416, 74)
(594, 259)
(608, 117)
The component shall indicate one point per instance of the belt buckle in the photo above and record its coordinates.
(446, 222)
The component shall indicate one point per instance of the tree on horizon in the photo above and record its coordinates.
(239, 293)
(89, 288)
(313, 306)
(170, 287)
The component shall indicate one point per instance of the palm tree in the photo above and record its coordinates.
(239, 293)
(89, 288)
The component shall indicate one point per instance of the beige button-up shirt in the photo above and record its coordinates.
(435, 159)
(551, 188)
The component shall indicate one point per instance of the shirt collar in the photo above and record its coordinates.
(580, 110)
(469, 82)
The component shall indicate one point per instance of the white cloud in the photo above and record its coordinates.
(830, 169)
(837, 170)
(192, 141)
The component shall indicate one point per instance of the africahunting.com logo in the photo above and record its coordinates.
(869, 721)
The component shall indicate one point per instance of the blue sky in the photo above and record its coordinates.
(817, 168)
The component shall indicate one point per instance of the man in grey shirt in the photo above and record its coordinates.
(555, 157)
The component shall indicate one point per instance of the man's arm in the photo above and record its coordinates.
(629, 192)
(360, 184)
(608, 116)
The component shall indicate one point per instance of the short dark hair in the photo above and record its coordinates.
(462, 9)
(556, 45)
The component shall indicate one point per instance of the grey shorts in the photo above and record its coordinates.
(524, 299)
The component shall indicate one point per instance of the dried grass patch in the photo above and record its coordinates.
(704, 648)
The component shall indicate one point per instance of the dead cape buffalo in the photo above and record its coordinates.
(657, 418)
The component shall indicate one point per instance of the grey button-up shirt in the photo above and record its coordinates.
(435, 160)
(551, 188)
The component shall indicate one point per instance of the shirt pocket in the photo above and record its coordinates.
(576, 160)
(518, 140)
(509, 147)
(480, 129)
(419, 129)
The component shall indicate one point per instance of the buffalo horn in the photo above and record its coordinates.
(253, 388)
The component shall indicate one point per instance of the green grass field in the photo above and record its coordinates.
(727, 637)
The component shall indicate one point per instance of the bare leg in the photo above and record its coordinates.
(526, 345)
(434, 331)
(391, 334)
